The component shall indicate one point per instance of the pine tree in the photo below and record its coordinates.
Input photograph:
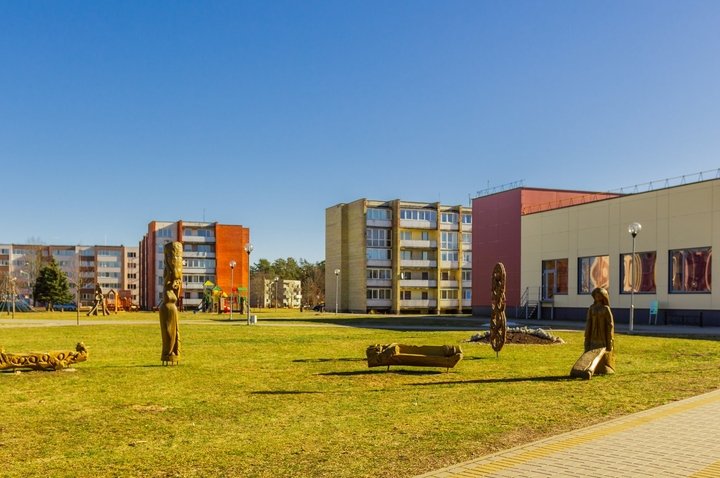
(52, 286)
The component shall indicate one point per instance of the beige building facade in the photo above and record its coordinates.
(398, 257)
(282, 293)
(568, 251)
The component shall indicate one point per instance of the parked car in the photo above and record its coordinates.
(319, 308)
(65, 307)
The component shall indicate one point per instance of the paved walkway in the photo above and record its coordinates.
(680, 439)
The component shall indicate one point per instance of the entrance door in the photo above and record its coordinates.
(548, 284)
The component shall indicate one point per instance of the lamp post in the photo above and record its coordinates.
(276, 292)
(634, 230)
(12, 291)
(232, 295)
(248, 249)
(337, 288)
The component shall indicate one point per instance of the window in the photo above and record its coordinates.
(445, 275)
(449, 217)
(467, 294)
(406, 255)
(449, 256)
(405, 295)
(466, 275)
(643, 280)
(691, 270)
(164, 232)
(593, 271)
(467, 257)
(555, 277)
(378, 294)
(379, 214)
(467, 238)
(424, 235)
(417, 215)
(377, 237)
(467, 218)
(378, 254)
(451, 294)
(424, 295)
(379, 274)
(406, 235)
(448, 240)
(425, 276)
(405, 275)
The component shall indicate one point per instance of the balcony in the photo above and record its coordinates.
(379, 283)
(466, 302)
(418, 263)
(446, 226)
(418, 224)
(417, 283)
(449, 284)
(449, 303)
(198, 239)
(378, 223)
(379, 262)
(378, 303)
(199, 254)
(418, 303)
(449, 264)
(467, 284)
(193, 286)
(418, 244)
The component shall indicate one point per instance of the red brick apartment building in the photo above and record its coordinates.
(208, 250)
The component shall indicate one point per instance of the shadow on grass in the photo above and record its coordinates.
(383, 371)
(284, 392)
(319, 360)
(556, 378)
(417, 323)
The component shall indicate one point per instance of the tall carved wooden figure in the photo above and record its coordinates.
(498, 323)
(172, 281)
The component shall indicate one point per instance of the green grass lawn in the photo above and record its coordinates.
(297, 398)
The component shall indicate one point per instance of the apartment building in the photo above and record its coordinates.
(211, 252)
(282, 293)
(398, 257)
(114, 268)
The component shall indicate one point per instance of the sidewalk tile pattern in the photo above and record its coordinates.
(680, 439)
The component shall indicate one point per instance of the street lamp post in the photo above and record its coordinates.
(12, 291)
(232, 280)
(634, 229)
(276, 292)
(337, 288)
(248, 249)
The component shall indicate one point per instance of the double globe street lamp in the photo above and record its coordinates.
(634, 229)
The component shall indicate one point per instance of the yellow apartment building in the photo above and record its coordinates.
(398, 257)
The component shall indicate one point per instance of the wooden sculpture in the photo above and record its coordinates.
(99, 303)
(599, 355)
(43, 360)
(172, 281)
(498, 323)
(445, 356)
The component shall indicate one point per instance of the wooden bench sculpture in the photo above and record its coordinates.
(445, 356)
(43, 360)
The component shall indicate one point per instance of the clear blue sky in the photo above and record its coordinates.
(265, 113)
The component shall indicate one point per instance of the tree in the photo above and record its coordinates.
(52, 286)
(310, 275)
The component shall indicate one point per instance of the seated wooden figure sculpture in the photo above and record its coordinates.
(599, 355)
